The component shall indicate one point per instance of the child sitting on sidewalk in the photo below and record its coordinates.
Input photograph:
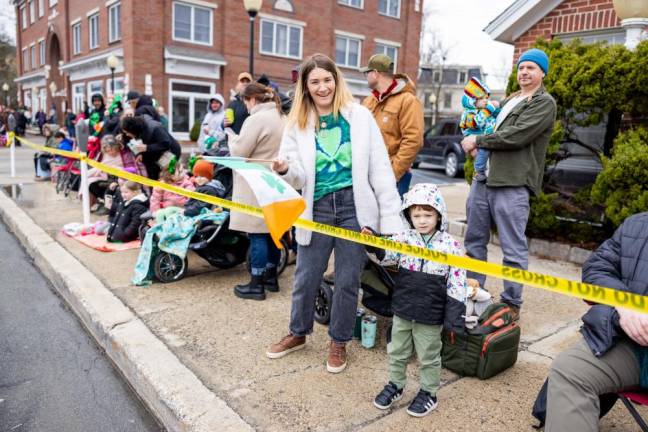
(203, 172)
(479, 117)
(427, 298)
(125, 218)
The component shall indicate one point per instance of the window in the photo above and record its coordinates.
(76, 38)
(93, 31)
(447, 100)
(192, 24)
(449, 128)
(33, 56)
(436, 77)
(353, 3)
(78, 97)
(281, 39)
(32, 12)
(611, 37)
(41, 51)
(390, 51)
(23, 17)
(188, 102)
(95, 87)
(41, 8)
(25, 60)
(347, 51)
(463, 78)
(114, 23)
(119, 86)
(389, 7)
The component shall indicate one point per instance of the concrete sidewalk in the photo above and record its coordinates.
(222, 340)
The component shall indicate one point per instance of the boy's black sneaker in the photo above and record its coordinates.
(422, 404)
(388, 396)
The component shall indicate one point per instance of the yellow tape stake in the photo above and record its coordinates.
(10, 138)
(594, 293)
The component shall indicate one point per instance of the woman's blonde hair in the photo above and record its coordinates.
(303, 107)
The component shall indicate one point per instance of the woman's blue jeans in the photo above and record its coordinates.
(263, 253)
(336, 209)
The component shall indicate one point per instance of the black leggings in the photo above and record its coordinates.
(98, 189)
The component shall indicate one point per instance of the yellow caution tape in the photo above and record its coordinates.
(10, 138)
(593, 293)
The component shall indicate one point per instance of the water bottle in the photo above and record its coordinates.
(369, 324)
(357, 330)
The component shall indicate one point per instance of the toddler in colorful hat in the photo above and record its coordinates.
(479, 117)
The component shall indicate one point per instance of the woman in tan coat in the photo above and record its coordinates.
(260, 138)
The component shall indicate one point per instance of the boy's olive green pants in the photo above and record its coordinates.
(425, 339)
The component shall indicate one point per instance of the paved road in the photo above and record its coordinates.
(426, 173)
(52, 375)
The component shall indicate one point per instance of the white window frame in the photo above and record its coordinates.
(182, 135)
(32, 12)
(25, 59)
(41, 52)
(348, 37)
(289, 26)
(192, 23)
(41, 8)
(32, 55)
(95, 18)
(90, 92)
(386, 13)
(386, 44)
(23, 16)
(78, 97)
(114, 27)
(76, 38)
(119, 82)
(347, 3)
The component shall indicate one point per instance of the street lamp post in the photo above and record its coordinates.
(112, 63)
(5, 88)
(252, 7)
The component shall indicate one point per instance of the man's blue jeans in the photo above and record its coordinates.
(263, 253)
(404, 183)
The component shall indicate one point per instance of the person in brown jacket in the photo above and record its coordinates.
(399, 115)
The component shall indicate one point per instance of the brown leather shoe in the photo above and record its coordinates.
(337, 358)
(285, 346)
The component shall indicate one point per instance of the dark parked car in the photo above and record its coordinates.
(442, 147)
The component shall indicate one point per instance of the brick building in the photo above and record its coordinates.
(525, 20)
(181, 51)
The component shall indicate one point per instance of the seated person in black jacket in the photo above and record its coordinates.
(612, 354)
(203, 172)
(125, 213)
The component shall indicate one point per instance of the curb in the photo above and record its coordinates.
(178, 399)
(540, 248)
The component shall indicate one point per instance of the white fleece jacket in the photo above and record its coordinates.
(374, 185)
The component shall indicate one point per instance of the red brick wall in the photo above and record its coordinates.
(569, 17)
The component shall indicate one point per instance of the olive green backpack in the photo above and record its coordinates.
(486, 350)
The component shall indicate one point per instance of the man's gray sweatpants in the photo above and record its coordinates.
(507, 208)
(576, 380)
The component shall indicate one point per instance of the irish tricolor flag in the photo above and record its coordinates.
(281, 204)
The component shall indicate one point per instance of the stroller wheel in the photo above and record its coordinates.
(169, 267)
(323, 302)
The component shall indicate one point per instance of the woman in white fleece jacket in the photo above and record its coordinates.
(333, 151)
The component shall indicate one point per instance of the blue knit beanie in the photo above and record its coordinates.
(536, 56)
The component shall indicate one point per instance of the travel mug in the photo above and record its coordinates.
(369, 324)
(357, 330)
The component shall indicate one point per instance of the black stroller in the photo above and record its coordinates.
(215, 243)
(377, 286)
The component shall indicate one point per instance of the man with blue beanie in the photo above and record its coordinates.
(517, 145)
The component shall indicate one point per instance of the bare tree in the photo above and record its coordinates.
(433, 54)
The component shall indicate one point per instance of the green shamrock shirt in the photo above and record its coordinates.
(333, 156)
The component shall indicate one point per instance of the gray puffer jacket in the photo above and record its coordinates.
(620, 263)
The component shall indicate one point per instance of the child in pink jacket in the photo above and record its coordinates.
(161, 199)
